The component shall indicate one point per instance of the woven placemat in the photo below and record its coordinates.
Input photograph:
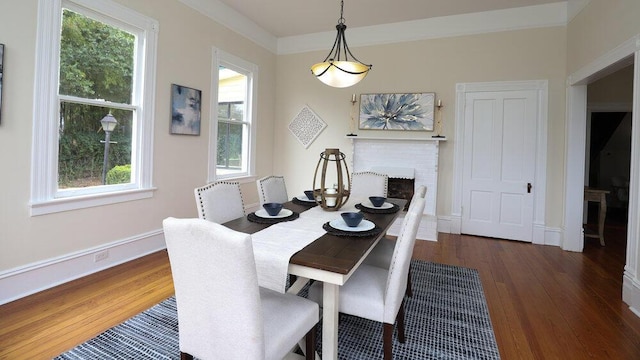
(304, 203)
(337, 232)
(260, 220)
(395, 208)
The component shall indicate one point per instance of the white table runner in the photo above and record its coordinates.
(274, 246)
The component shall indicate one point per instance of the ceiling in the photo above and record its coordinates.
(282, 18)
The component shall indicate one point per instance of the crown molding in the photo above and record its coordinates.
(228, 17)
(554, 14)
(574, 7)
(538, 16)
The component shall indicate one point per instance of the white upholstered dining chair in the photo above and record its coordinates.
(376, 293)
(382, 253)
(222, 312)
(220, 201)
(368, 183)
(272, 189)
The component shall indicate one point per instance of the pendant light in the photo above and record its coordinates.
(336, 71)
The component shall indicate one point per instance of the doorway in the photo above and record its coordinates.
(624, 55)
(608, 159)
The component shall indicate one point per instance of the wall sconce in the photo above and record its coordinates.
(438, 126)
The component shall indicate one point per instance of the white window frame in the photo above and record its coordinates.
(45, 196)
(221, 58)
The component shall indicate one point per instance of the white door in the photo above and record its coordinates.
(499, 164)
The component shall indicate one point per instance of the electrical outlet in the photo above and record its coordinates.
(102, 255)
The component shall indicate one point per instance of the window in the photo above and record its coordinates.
(93, 105)
(234, 153)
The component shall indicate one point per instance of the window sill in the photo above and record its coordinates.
(243, 179)
(82, 202)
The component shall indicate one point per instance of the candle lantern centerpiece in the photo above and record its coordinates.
(332, 191)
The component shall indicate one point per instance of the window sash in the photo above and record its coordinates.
(221, 58)
(45, 197)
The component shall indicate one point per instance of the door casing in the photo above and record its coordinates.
(541, 87)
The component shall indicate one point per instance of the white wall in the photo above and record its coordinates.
(424, 66)
(41, 245)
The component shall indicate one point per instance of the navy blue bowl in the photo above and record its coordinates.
(309, 194)
(377, 201)
(352, 218)
(273, 209)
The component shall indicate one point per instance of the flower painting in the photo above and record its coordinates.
(412, 111)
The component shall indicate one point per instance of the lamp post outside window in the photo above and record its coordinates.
(109, 123)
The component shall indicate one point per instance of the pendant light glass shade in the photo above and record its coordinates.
(337, 70)
(340, 74)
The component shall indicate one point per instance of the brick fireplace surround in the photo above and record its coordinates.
(409, 159)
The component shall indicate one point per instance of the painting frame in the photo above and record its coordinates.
(186, 113)
(397, 111)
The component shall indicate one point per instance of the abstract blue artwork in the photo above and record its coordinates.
(412, 111)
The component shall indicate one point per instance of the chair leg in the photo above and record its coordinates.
(387, 340)
(408, 291)
(310, 343)
(185, 356)
(400, 321)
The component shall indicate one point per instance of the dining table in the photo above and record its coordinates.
(325, 255)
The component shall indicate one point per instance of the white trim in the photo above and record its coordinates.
(391, 138)
(621, 56)
(528, 17)
(633, 228)
(541, 86)
(542, 235)
(574, 7)
(81, 202)
(26, 280)
(45, 197)
(631, 293)
(220, 57)
(575, 143)
(553, 236)
(228, 17)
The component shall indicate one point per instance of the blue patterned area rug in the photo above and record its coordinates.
(446, 318)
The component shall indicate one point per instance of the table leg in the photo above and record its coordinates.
(330, 298)
(601, 217)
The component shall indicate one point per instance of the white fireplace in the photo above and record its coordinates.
(404, 158)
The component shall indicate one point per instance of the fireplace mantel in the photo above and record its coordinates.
(420, 154)
(395, 138)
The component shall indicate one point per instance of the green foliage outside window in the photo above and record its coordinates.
(120, 174)
(96, 63)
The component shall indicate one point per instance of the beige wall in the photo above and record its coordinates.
(423, 66)
(615, 88)
(598, 28)
(185, 42)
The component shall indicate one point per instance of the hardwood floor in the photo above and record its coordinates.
(545, 303)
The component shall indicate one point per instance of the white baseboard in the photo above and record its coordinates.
(27, 280)
(542, 235)
(631, 293)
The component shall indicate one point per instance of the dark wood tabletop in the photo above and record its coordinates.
(333, 253)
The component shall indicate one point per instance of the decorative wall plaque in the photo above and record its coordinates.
(306, 126)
